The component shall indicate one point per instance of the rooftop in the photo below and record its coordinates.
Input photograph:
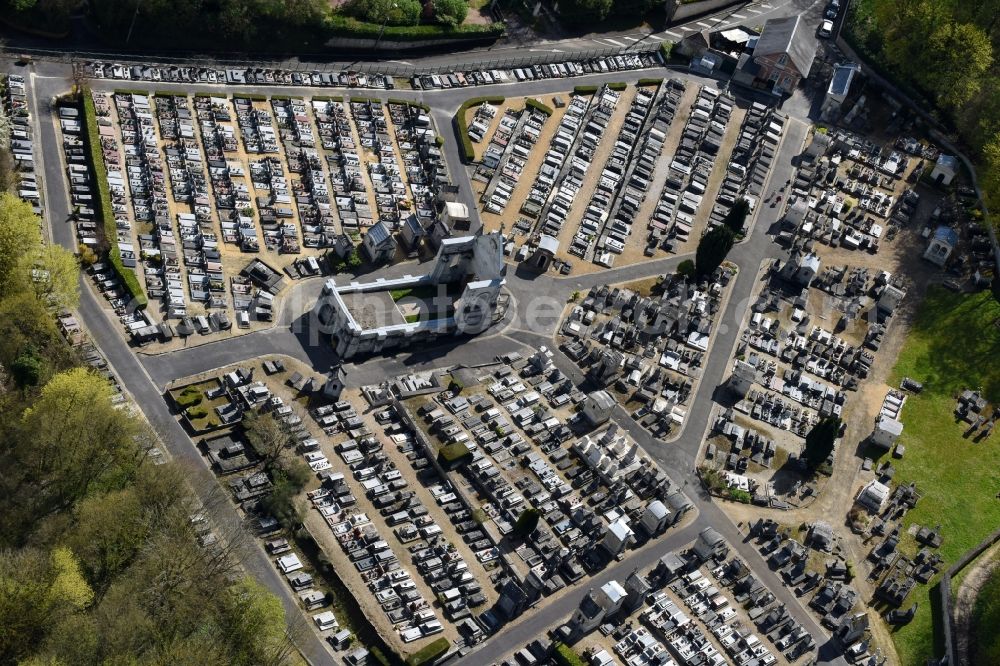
(788, 36)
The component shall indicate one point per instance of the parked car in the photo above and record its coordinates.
(826, 29)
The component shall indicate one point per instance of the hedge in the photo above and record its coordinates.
(565, 656)
(618, 86)
(584, 90)
(462, 128)
(346, 26)
(130, 91)
(533, 103)
(429, 652)
(364, 100)
(649, 82)
(253, 97)
(328, 98)
(102, 204)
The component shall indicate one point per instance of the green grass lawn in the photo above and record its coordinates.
(954, 344)
(985, 620)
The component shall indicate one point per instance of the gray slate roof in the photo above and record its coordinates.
(788, 35)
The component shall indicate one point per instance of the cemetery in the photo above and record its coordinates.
(431, 493)
(647, 346)
(209, 190)
(594, 494)
(672, 145)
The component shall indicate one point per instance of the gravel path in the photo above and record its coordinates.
(965, 600)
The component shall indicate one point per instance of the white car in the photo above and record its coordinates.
(826, 28)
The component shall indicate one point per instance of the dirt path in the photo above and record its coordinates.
(529, 174)
(605, 148)
(965, 599)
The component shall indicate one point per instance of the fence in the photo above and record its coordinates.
(385, 67)
(944, 592)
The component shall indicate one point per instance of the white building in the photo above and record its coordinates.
(655, 518)
(874, 496)
(945, 169)
(887, 430)
(742, 378)
(597, 407)
(942, 244)
(618, 536)
(460, 295)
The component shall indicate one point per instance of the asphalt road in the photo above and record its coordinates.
(537, 303)
(508, 50)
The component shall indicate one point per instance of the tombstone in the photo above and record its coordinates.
(335, 383)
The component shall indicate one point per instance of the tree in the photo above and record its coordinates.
(282, 502)
(36, 588)
(584, 12)
(450, 12)
(736, 218)
(112, 527)
(712, 250)
(254, 620)
(267, 436)
(20, 237)
(28, 368)
(820, 441)
(70, 440)
(87, 256)
(963, 54)
(54, 274)
(527, 522)
(686, 268)
(26, 323)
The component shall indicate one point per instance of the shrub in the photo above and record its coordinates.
(584, 90)
(189, 398)
(565, 656)
(617, 86)
(429, 652)
(347, 26)
(196, 413)
(738, 495)
(87, 256)
(649, 82)
(450, 12)
(666, 49)
(396, 13)
(102, 205)
(533, 103)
